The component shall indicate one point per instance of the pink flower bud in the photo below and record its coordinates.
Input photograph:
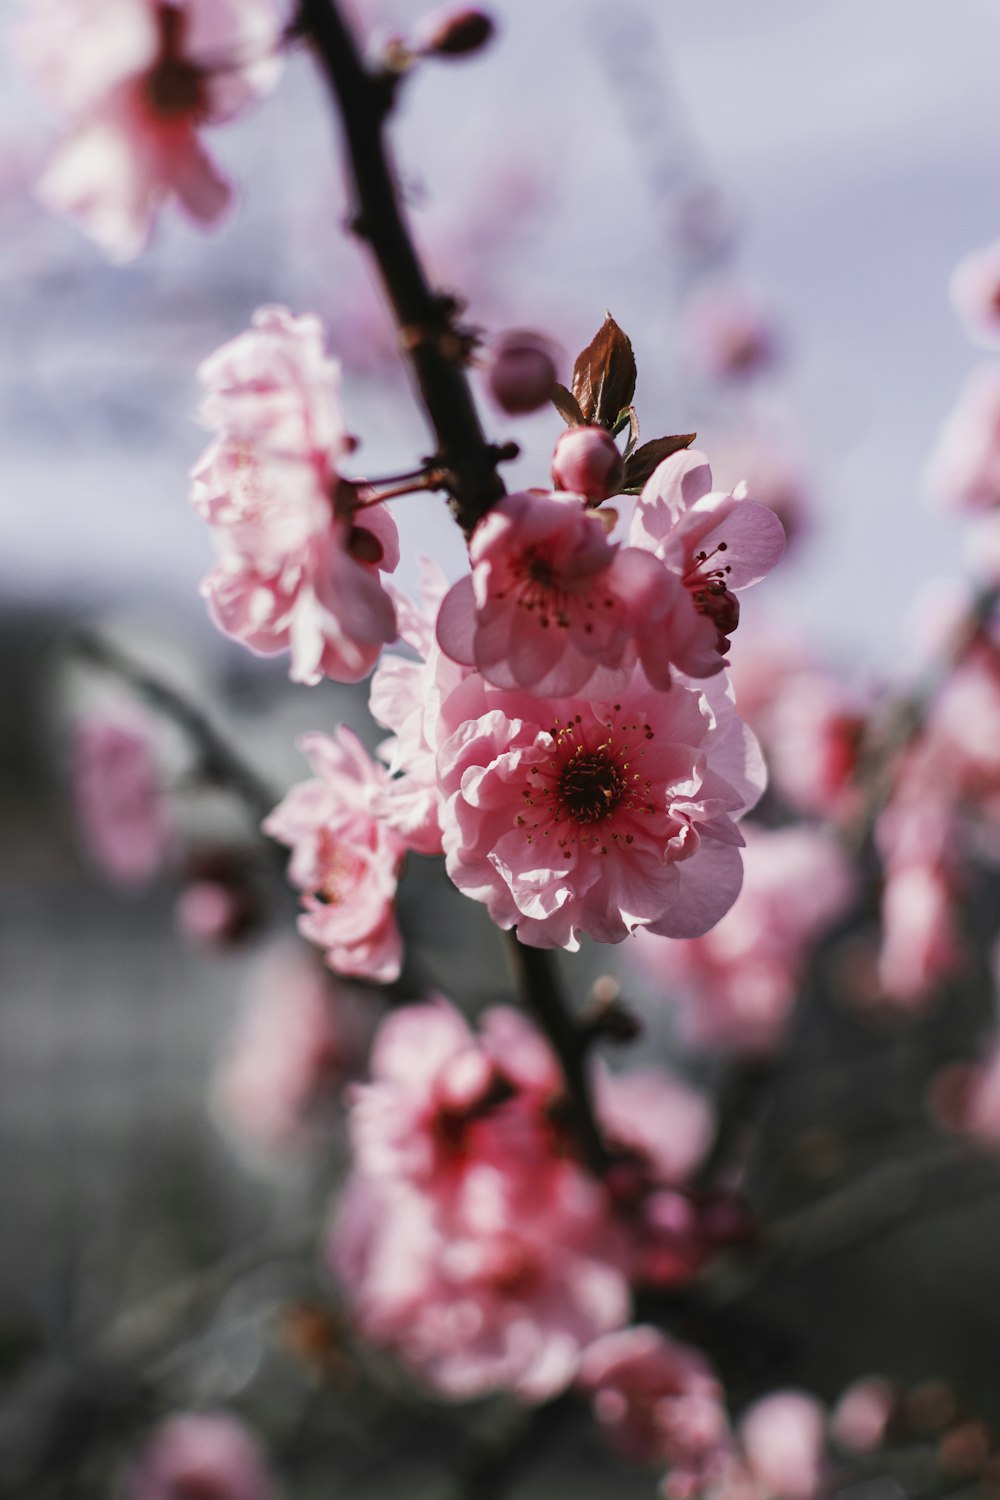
(587, 462)
(456, 33)
(521, 373)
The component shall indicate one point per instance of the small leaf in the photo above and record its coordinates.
(567, 406)
(604, 376)
(644, 460)
(633, 433)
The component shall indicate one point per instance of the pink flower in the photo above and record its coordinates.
(964, 467)
(728, 336)
(598, 817)
(299, 1036)
(209, 1454)
(344, 860)
(975, 294)
(716, 544)
(552, 605)
(658, 1401)
(138, 79)
(783, 1440)
(468, 1240)
(738, 982)
(586, 461)
(917, 837)
(119, 801)
(863, 1413)
(300, 564)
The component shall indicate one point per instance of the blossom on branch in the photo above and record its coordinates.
(209, 1453)
(119, 799)
(300, 558)
(345, 861)
(138, 80)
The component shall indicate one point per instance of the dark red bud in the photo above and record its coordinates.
(521, 372)
(457, 33)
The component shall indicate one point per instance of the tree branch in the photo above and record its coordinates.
(535, 975)
(431, 339)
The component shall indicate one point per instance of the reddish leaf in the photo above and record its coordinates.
(567, 406)
(604, 376)
(644, 460)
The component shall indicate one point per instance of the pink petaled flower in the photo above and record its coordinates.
(975, 294)
(469, 1240)
(598, 817)
(210, 1455)
(659, 1402)
(917, 837)
(553, 606)
(344, 860)
(716, 544)
(783, 1437)
(139, 79)
(964, 467)
(299, 1037)
(118, 795)
(738, 982)
(300, 563)
(863, 1414)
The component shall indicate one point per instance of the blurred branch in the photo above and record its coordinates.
(431, 338)
(538, 985)
(218, 762)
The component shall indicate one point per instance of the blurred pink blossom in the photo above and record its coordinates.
(299, 1036)
(737, 983)
(963, 469)
(138, 79)
(783, 1439)
(659, 1402)
(345, 861)
(119, 801)
(862, 1414)
(727, 335)
(300, 565)
(975, 294)
(208, 1454)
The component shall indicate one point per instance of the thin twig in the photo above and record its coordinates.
(431, 339)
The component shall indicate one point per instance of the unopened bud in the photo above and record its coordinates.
(587, 462)
(521, 372)
(217, 907)
(455, 33)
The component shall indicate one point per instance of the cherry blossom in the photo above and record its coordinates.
(659, 1402)
(209, 1453)
(586, 461)
(863, 1413)
(299, 564)
(579, 816)
(553, 606)
(783, 1438)
(964, 467)
(975, 294)
(715, 543)
(344, 860)
(468, 1240)
(737, 983)
(138, 79)
(119, 801)
(298, 1037)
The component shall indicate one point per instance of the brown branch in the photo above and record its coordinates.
(434, 344)
(541, 994)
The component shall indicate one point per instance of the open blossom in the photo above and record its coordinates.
(118, 798)
(578, 816)
(737, 983)
(138, 80)
(783, 1438)
(468, 1240)
(975, 294)
(209, 1454)
(299, 1037)
(715, 543)
(964, 467)
(553, 606)
(299, 566)
(659, 1402)
(345, 861)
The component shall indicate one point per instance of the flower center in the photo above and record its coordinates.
(710, 593)
(174, 87)
(590, 786)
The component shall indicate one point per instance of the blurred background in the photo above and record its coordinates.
(817, 171)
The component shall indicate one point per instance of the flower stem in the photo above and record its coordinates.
(434, 344)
